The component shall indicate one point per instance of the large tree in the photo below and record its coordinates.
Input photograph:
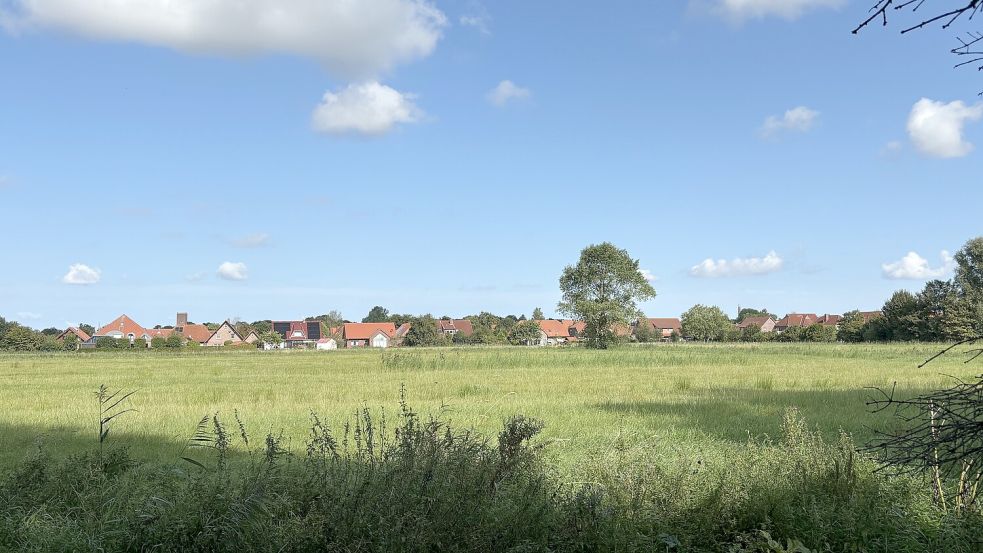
(603, 289)
(377, 314)
(706, 323)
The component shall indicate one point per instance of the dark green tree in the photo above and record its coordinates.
(377, 314)
(21, 338)
(525, 333)
(746, 312)
(901, 316)
(537, 314)
(424, 333)
(87, 328)
(851, 327)
(603, 290)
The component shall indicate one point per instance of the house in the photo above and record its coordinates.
(122, 327)
(79, 333)
(829, 320)
(451, 327)
(192, 332)
(298, 334)
(326, 344)
(795, 319)
(401, 333)
(225, 333)
(664, 326)
(553, 332)
(871, 315)
(251, 338)
(374, 335)
(763, 323)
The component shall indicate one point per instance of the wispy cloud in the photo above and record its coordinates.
(507, 91)
(740, 10)
(81, 274)
(800, 119)
(740, 266)
(255, 240)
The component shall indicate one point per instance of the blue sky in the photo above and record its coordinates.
(452, 157)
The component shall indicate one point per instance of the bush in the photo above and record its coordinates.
(140, 343)
(158, 342)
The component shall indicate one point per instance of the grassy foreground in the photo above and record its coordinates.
(740, 448)
(706, 400)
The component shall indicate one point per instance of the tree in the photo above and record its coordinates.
(423, 332)
(140, 343)
(87, 328)
(791, 334)
(70, 343)
(851, 327)
(968, 49)
(525, 333)
(20, 338)
(272, 338)
(644, 332)
(969, 267)
(537, 314)
(603, 290)
(901, 316)
(705, 323)
(377, 314)
(175, 340)
(331, 319)
(819, 333)
(262, 327)
(51, 331)
(158, 342)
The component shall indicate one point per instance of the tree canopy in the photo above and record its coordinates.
(603, 289)
(377, 314)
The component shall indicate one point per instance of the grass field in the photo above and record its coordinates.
(689, 399)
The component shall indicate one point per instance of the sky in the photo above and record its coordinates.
(274, 159)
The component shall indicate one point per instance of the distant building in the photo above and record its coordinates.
(226, 333)
(801, 320)
(554, 332)
(369, 335)
(451, 327)
(829, 320)
(326, 344)
(871, 315)
(763, 323)
(121, 328)
(664, 327)
(79, 333)
(251, 338)
(298, 334)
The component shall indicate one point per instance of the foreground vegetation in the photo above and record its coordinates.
(672, 447)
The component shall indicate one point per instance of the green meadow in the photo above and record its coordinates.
(689, 399)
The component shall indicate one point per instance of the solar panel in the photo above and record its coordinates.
(313, 330)
(282, 329)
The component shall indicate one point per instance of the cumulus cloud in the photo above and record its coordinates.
(741, 266)
(255, 240)
(936, 129)
(354, 38)
(232, 271)
(80, 273)
(647, 274)
(740, 10)
(799, 119)
(368, 108)
(507, 91)
(915, 267)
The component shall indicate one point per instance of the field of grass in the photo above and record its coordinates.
(691, 400)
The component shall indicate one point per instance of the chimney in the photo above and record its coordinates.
(182, 320)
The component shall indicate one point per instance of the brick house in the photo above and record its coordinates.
(801, 320)
(224, 333)
(763, 323)
(369, 335)
(451, 327)
(664, 327)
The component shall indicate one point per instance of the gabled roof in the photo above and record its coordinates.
(365, 331)
(195, 332)
(76, 331)
(563, 328)
(402, 330)
(463, 326)
(666, 323)
(757, 321)
(232, 328)
(829, 320)
(797, 319)
(160, 332)
(122, 324)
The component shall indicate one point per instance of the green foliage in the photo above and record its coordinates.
(644, 333)
(423, 332)
(20, 338)
(71, 342)
(261, 327)
(377, 314)
(51, 331)
(746, 312)
(140, 343)
(851, 327)
(603, 290)
(819, 333)
(272, 338)
(331, 319)
(524, 333)
(175, 341)
(87, 328)
(158, 342)
(705, 323)
(901, 316)
(537, 314)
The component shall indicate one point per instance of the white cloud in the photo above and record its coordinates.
(368, 108)
(936, 129)
(354, 38)
(81, 274)
(916, 267)
(799, 119)
(739, 10)
(740, 266)
(255, 240)
(479, 22)
(507, 91)
(232, 271)
(28, 315)
(647, 275)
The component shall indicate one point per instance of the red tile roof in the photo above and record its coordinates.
(670, 323)
(868, 315)
(76, 331)
(797, 319)
(463, 326)
(563, 328)
(124, 325)
(364, 331)
(757, 322)
(196, 333)
(829, 320)
(160, 332)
